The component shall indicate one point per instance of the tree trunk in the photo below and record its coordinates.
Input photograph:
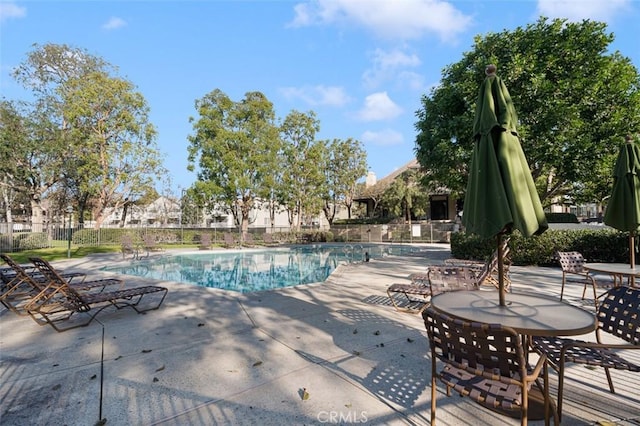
(125, 210)
(36, 215)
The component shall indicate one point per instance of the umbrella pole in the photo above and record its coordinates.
(500, 271)
(632, 250)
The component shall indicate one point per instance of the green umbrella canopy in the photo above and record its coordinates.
(623, 209)
(501, 195)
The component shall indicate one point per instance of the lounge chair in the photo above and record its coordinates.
(127, 246)
(268, 240)
(489, 270)
(229, 241)
(618, 317)
(205, 242)
(59, 301)
(486, 362)
(416, 296)
(9, 275)
(29, 282)
(248, 240)
(150, 244)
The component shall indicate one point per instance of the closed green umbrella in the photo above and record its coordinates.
(501, 195)
(623, 210)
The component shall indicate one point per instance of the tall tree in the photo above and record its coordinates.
(116, 156)
(235, 146)
(405, 197)
(45, 72)
(32, 154)
(574, 98)
(303, 180)
(346, 163)
(14, 152)
(90, 131)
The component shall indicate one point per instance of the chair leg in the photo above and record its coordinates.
(433, 390)
(560, 386)
(563, 281)
(549, 406)
(524, 409)
(545, 378)
(606, 370)
(595, 295)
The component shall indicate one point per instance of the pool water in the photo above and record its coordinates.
(255, 270)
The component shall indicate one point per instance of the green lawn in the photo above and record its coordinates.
(57, 253)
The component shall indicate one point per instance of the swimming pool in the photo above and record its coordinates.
(257, 269)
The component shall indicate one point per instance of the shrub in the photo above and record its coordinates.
(6, 243)
(32, 241)
(561, 218)
(596, 245)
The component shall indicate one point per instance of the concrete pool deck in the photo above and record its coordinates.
(333, 352)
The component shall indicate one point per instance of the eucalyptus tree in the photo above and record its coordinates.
(303, 181)
(575, 99)
(345, 164)
(235, 147)
(46, 71)
(116, 157)
(90, 129)
(15, 152)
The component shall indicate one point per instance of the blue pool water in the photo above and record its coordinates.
(255, 270)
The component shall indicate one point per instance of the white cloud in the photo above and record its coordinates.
(9, 10)
(412, 80)
(386, 65)
(317, 95)
(406, 19)
(114, 23)
(379, 106)
(386, 137)
(577, 10)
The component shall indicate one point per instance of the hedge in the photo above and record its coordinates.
(600, 245)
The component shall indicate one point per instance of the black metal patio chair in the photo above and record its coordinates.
(618, 315)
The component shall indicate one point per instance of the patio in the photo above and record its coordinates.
(336, 352)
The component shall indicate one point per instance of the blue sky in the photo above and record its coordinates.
(361, 65)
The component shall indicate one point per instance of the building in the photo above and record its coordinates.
(442, 206)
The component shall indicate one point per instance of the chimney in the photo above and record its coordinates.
(371, 179)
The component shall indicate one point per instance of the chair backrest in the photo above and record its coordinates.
(619, 313)
(476, 347)
(15, 266)
(126, 242)
(228, 238)
(491, 266)
(20, 275)
(149, 241)
(571, 261)
(205, 239)
(56, 285)
(443, 278)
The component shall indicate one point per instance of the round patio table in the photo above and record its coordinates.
(616, 270)
(528, 314)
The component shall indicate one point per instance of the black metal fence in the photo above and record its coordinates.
(28, 237)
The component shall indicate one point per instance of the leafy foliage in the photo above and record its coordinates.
(235, 145)
(596, 245)
(575, 102)
(346, 163)
(86, 138)
(303, 183)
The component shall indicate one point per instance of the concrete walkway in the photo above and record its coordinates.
(333, 352)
